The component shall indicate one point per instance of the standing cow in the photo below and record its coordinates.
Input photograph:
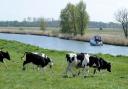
(4, 55)
(36, 59)
(77, 60)
(41, 54)
(84, 61)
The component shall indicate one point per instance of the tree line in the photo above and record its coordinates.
(56, 23)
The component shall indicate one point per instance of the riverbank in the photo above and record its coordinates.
(15, 78)
(112, 38)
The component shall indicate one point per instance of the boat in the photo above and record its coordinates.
(96, 41)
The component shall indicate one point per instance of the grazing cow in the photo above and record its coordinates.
(4, 55)
(99, 63)
(37, 60)
(84, 60)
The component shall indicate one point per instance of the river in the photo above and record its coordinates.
(66, 45)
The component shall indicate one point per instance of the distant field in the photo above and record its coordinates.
(90, 31)
(112, 32)
(27, 28)
(15, 78)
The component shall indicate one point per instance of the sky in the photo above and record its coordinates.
(98, 10)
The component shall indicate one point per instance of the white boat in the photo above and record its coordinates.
(96, 41)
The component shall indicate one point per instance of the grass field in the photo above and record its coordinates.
(15, 78)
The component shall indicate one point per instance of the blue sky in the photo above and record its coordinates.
(99, 10)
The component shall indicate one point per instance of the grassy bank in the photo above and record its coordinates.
(109, 36)
(15, 78)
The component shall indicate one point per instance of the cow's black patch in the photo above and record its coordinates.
(99, 63)
(4, 55)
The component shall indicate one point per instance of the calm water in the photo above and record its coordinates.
(67, 45)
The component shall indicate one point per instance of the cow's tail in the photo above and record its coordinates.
(22, 58)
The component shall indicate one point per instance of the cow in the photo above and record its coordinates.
(37, 59)
(77, 60)
(4, 55)
(41, 54)
(99, 63)
(84, 61)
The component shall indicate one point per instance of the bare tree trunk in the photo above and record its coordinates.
(125, 28)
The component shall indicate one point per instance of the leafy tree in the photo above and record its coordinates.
(83, 17)
(74, 18)
(122, 17)
(42, 24)
(66, 21)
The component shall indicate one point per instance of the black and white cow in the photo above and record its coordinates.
(99, 64)
(84, 60)
(41, 54)
(35, 58)
(77, 60)
(4, 55)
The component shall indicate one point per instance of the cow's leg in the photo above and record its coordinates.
(86, 71)
(2, 61)
(79, 71)
(34, 67)
(24, 63)
(5, 64)
(99, 69)
(43, 69)
(38, 67)
(94, 71)
(69, 68)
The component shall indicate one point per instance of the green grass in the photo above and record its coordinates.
(15, 78)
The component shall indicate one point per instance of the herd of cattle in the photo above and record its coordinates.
(81, 61)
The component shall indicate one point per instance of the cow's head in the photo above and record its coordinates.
(6, 55)
(71, 57)
(108, 67)
(50, 62)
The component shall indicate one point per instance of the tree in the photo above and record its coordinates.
(122, 17)
(64, 23)
(29, 19)
(74, 19)
(83, 17)
(67, 19)
(42, 24)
